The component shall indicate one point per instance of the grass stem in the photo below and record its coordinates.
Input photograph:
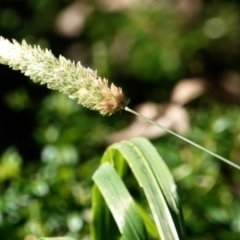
(183, 138)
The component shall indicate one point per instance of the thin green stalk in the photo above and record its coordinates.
(183, 138)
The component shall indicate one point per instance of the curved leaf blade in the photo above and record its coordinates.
(164, 179)
(142, 168)
(120, 203)
(102, 224)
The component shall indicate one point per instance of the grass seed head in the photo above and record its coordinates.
(72, 79)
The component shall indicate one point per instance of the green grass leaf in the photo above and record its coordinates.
(153, 177)
(120, 203)
(102, 225)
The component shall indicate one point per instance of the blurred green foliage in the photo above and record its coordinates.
(50, 146)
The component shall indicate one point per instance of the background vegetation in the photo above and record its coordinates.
(50, 146)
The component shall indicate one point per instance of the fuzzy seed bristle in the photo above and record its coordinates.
(72, 79)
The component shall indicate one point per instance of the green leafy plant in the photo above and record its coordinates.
(110, 196)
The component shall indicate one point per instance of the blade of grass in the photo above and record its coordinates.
(164, 178)
(120, 203)
(160, 171)
(142, 168)
(102, 224)
(148, 220)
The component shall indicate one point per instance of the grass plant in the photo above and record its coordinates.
(110, 197)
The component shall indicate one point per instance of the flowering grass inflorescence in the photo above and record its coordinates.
(76, 81)
(63, 75)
